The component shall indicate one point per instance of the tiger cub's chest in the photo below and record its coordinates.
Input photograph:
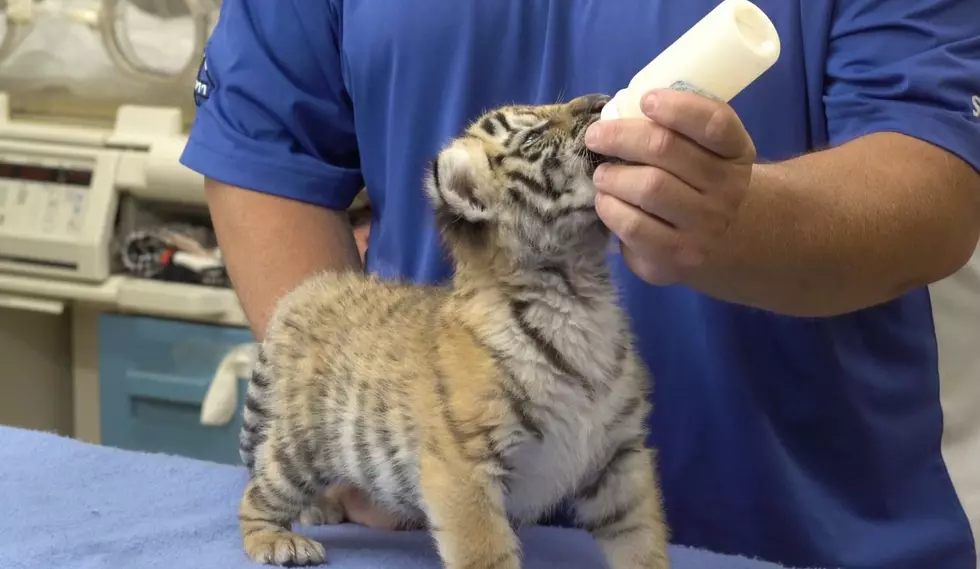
(546, 471)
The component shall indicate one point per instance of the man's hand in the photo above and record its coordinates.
(688, 172)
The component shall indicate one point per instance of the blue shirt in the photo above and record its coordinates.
(809, 442)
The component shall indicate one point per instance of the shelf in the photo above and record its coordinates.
(128, 295)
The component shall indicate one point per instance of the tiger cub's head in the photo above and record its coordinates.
(518, 181)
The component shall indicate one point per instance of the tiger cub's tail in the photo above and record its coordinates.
(255, 418)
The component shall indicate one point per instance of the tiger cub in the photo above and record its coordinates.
(475, 407)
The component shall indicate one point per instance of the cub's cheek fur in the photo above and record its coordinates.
(471, 407)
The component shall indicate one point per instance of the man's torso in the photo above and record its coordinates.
(808, 442)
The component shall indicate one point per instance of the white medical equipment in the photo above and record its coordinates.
(60, 189)
(95, 100)
(61, 193)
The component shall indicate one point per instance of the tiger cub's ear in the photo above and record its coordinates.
(453, 184)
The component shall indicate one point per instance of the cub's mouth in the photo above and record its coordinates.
(594, 159)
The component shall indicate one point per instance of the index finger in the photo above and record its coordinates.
(713, 124)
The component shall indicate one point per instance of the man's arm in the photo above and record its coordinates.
(821, 234)
(271, 243)
(275, 126)
(845, 228)
(894, 204)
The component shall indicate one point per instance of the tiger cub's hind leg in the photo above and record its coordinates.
(273, 500)
(325, 509)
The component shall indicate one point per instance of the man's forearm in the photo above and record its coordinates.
(270, 244)
(846, 228)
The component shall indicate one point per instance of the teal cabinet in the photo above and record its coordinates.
(154, 374)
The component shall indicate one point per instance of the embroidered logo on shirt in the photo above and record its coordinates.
(204, 83)
(976, 106)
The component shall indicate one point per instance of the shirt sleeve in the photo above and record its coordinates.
(273, 114)
(906, 66)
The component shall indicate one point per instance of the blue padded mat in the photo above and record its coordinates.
(70, 505)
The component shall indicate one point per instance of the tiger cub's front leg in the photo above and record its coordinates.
(623, 510)
(465, 505)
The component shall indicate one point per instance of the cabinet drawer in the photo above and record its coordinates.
(153, 377)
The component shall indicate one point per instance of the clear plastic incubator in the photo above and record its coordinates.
(82, 59)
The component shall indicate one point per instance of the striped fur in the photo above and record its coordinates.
(474, 407)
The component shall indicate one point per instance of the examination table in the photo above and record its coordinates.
(66, 504)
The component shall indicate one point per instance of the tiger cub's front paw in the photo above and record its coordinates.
(283, 548)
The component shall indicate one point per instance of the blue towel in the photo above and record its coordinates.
(70, 505)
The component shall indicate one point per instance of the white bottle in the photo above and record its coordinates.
(719, 57)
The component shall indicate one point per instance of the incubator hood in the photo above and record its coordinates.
(79, 61)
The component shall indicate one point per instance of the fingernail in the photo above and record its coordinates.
(592, 135)
(599, 174)
(650, 101)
